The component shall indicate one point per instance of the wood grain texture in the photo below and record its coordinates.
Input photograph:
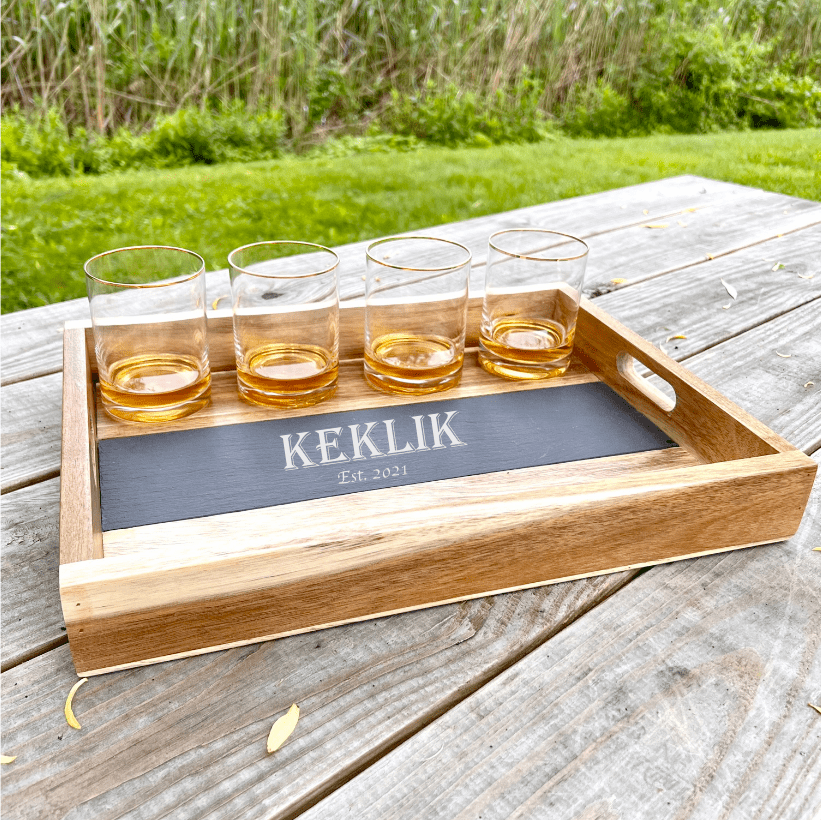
(30, 431)
(187, 739)
(690, 301)
(81, 533)
(700, 419)
(713, 231)
(134, 608)
(694, 678)
(31, 612)
(748, 370)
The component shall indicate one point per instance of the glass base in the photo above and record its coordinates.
(266, 398)
(153, 412)
(410, 387)
(507, 369)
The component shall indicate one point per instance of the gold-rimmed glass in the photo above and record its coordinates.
(150, 338)
(533, 282)
(286, 322)
(416, 295)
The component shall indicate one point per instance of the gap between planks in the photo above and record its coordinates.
(471, 687)
(30, 482)
(34, 653)
(742, 331)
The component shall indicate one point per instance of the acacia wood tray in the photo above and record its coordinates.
(143, 594)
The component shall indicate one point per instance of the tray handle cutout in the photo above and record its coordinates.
(665, 399)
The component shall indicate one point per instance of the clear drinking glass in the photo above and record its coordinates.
(533, 283)
(149, 336)
(286, 322)
(416, 297)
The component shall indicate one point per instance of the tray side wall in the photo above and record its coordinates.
(702, 419)
(606, 527)
(81, 536)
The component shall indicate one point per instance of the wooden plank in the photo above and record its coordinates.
(31, 340)
(32, 619)
(188, 738)
(81, 533)
(690, 301)
(30, 431)
(695, 678)
(748, 370)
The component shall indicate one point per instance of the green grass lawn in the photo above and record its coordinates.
(51, 226)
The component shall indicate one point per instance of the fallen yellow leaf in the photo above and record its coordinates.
(69, 712)
(691, 210)
(6, 759)
(645, 212)
(709, 256)
(811, 384)
(282, 728)
(656, 225)
(216, 302)
(784, 355)
(813, 706)
(677, 336)
(730, 289)
(806, 276)
(618, 281)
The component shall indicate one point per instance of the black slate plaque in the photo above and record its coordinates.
(192, 473)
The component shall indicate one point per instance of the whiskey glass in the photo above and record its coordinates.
(533, 282)
(416, 296)
(286, 322)
(150, 338)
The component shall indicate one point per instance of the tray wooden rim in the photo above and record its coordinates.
(743, 464)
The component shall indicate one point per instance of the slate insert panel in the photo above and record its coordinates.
(193, 473)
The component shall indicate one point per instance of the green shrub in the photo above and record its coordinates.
(455, 117)
(41, 145)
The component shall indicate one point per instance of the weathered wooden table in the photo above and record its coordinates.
(675, 692)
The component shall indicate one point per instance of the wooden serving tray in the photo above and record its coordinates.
(143, 594)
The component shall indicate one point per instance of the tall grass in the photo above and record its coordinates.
(325, 63)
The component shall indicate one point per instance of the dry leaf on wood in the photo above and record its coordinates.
(677, 336)
(656, 225)
(813, 706)
(6, 759)
(709, 256)
(784, 355)
(618, 281)
(282, 728)
(645, 212)
(730, 289)
(69, 712)
(806, 275)
(216, 302)
(810, 384)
